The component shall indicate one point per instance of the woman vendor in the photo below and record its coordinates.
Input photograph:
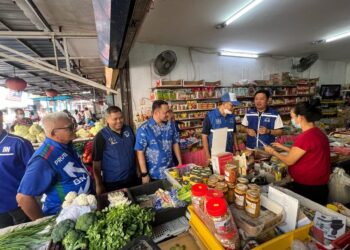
(309, 157)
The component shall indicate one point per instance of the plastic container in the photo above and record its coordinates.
(181, 170)
(202, 231)
(222, 224)
(284, 241)
(199, 192)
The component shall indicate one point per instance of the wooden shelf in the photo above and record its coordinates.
(197, 99)
(268, 86)
(333, 102)
(192, 110)
(189, 119)
(188, 87)
(189, 128)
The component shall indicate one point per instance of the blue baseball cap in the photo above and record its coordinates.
(230, 97)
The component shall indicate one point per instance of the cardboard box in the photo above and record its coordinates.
(184, 239)
(219, 162)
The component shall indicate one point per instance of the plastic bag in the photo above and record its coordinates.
(73, 212)
(339, 186)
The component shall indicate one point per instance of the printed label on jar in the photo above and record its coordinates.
(240, 200)
(223, 226)
(250, 207)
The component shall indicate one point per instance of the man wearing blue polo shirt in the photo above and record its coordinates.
(262, 123)
(113, 154)
(54, 170)
(156, 140)
(15, 152)
(221, 117)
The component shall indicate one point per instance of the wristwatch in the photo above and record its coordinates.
(144, 174)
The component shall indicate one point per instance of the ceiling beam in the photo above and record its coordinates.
(45, 35)
(62, 73)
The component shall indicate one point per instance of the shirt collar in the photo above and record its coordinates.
(3, 134)
(153, 122)
(68, 146)
(121, 131)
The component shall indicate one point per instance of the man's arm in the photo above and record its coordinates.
(30, 206)
(206, 146)
(205, 140)
(235, 142)
(98, 177)
(97, 154)
(142, 163)
(177, 152)
(276, 132)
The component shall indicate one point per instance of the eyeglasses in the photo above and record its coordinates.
(71, 128)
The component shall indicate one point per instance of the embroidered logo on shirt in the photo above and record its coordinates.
(218, 121)
(112, 141)
(267, 120)
(6, 149)
(126, 133)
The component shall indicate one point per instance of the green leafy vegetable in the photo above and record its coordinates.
(118, 225)
(75, 240)
(28, 237)
(85, 221)
(61, 229)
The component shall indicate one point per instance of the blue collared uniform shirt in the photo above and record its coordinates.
(215, 120)
(254, 120)
(157, 143)
(54, 170)
(15, 153)
(117, 154)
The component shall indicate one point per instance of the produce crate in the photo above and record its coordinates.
(284, 241)
(164, 215)
(141, 242)
(203, 233)
(182, 169)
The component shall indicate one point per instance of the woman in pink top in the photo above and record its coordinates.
(308, 159)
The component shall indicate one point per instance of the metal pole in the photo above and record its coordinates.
(46, 35)
(66, 54)
(54, 51)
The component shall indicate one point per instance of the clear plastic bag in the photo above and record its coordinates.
(339, 186)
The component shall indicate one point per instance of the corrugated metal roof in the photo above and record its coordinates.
(13, 18)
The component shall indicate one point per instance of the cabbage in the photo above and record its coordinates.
(30, 137)
(40, 137)
(35, 129)
(82, 133)
(21, 130)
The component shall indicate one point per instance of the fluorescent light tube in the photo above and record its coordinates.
(238, 54)
(337, 37)
(242, 11)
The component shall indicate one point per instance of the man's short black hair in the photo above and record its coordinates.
(157, 104)
(1, 114)
(263, 91)
(113, 109)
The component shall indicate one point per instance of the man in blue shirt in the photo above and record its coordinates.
(113, 154)
(15, 152)
(221, 117)
(262, 123)
(156, 140)
(54, 170)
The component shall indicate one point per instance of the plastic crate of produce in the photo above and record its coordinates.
(163, 215)
(182, 169)
(141, 243)
(284, 241)
(203, 233)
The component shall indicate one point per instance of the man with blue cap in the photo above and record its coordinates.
(221, 117)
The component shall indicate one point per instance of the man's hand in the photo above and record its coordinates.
(278, 145)
(251, 132)
(263, 130)
(100, 189)
(269, 150)
(146, 179)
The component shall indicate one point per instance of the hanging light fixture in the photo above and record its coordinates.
(16, 84)
(51, 92)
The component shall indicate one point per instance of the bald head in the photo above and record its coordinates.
(59, 127)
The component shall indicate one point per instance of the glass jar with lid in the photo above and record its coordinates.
(240, 192)
(252, 203)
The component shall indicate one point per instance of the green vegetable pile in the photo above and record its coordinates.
(116, 226)
(27, 237)
(185, 194)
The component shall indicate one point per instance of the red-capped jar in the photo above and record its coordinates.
(199, 192)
